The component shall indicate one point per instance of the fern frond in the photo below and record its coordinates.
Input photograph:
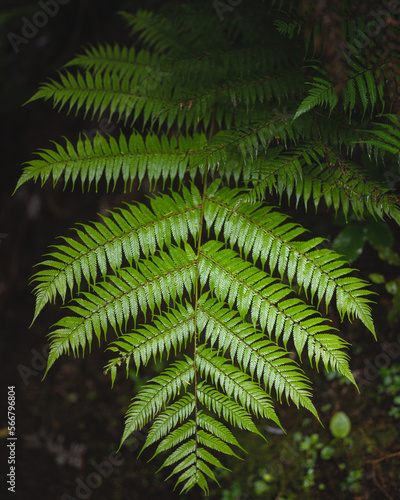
(190, 428)
(266, 300)
(139, 66)
(383, 136)
(154, 30)
(114, 301)
(252, 350)
(192, 475)
(189, 454)
(218, 64)
(362, 88)
(177, 436)
(163, 32)
(215, 443)
(100, 92)
(315, 172)
(128, 234)
(321, 93)
(246, 142)
(258, 230)
(222, 405)
(170, 331)
(126, 159)
(156, 393)
(206, 278)
(169, 418)
(124, 98)
(216, 428)
(235, 383)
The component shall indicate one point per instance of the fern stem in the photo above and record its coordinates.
(196, 299)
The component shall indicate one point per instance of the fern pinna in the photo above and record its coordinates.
(206, 275)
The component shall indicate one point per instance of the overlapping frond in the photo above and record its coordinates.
(170, 332)
(126, 236)
(248, 142)
(139, 66)
(383, 136)
(222, 405)
(267, 301)
(251, 349)
(317, 172)
(150, 400)
(362, 89)
(235, 383)
(263, 233)
(231, 63)
(164, 103)
(126, 159)
(163, 32)
(174, 414)
(321, 93)
(122, 296)
(120, 97)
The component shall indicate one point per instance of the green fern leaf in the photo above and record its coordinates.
(170, 331)
(175, 413)
(157, 393)
(115, 300)
(322, 93)
(126, 159)
(130, 233)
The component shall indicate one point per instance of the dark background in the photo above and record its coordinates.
(72, 422)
